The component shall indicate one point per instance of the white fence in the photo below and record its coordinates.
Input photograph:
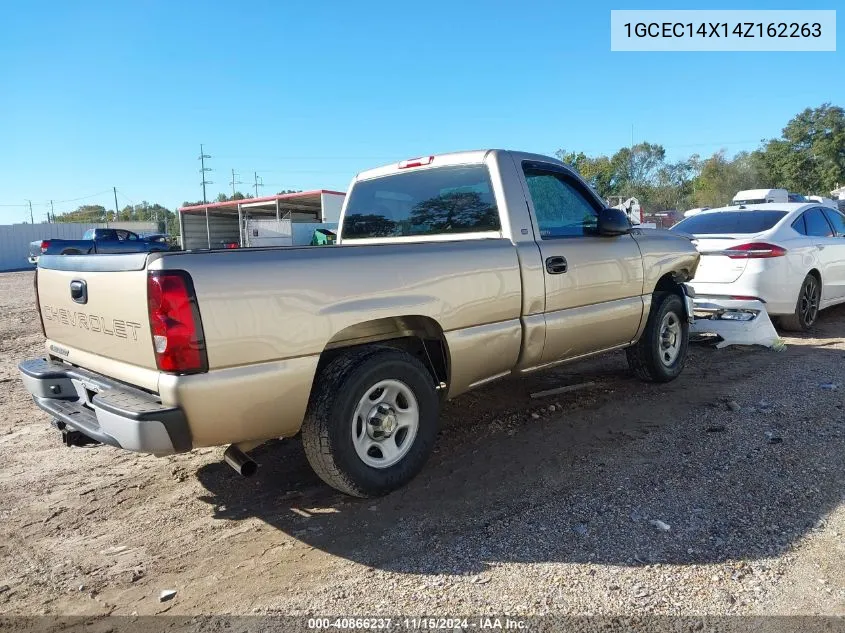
(15, 238)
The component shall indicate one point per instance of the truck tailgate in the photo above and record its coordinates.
(97, 304)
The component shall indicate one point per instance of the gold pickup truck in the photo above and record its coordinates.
(450, 271)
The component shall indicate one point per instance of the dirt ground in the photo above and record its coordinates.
(528, 506)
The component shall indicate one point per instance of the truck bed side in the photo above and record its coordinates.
(268, 314)
(305, 300)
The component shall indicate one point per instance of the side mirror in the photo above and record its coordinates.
(613, 222)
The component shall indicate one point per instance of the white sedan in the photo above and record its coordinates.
(790, 255)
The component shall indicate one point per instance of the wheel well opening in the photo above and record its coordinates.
(419, 336)
(669, 283)
(815, 273)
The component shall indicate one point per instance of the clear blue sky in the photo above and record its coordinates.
(96, 94)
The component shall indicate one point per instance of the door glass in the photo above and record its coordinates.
(817, 226)
(837, 220)
(562, 209)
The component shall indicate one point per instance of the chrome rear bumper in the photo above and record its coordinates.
(105, 410)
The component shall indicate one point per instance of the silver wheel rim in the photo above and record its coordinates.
(670, 339)
(385, 423)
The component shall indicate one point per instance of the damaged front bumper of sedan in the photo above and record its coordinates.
(734, 321)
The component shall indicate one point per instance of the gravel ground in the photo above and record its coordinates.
(720, 493)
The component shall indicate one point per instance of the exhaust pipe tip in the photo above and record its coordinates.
(240, 461)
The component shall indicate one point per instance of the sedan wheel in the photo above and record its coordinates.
(809, 301)
(806, 307)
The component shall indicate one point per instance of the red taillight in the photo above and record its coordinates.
(230, 245)
(45, 244)
(416, 162)
(754, 250)
(175, 322)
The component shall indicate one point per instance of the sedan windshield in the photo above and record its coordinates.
(730, 222)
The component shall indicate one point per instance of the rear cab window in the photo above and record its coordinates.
(728, 222)
(426, 202)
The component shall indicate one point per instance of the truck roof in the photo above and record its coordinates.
(469, 157)
(757, 193)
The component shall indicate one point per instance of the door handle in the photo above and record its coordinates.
(556, 265)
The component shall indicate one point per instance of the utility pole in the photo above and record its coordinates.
(204, 169)
(234, 182)
(116, 217)
(631, 162)
(31, 217)
(52, 212)
(259, 182)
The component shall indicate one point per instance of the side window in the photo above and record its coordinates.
(88, 235)
(817, 225)
(562, 207)
(836, 220)
(131, 236)
(122, 235)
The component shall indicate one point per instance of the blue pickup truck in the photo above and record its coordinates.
(101, 241)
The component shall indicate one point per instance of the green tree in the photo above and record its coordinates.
(222, 197)
(636, 168)
(720, 177)
(84, 213)
(809, 157)
(597, 171)
(143, 212)
(673, 186)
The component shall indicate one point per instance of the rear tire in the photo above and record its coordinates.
(661, 352)
(371, 421)
(806, 307)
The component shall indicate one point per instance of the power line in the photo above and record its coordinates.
(334, 157)
(128, 199)
(47, 204)
(204, 169)
(711, 143)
